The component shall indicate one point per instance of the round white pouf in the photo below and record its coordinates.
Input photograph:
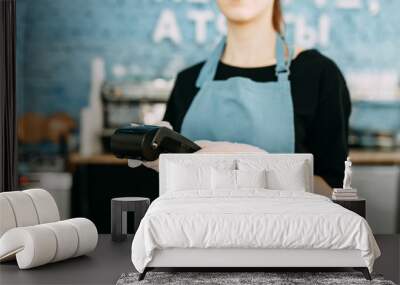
(40, 244)
(7, 218)
(33, 246)
(87, 233)
(23, 208)
(45, 205)
(67, 240)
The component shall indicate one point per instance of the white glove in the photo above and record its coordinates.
(133, 163)
(226, 147)
(215, 147)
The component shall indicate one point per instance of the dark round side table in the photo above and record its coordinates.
(119, 209)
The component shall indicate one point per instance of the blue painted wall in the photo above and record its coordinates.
(58, 39)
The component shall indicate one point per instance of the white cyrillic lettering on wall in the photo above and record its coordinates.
(167, 28)
(308, 36)
(199, 1)
(349, 4)
(324, 30)
(201, 18)
(320, 3)
(305, 35)
(374, 7)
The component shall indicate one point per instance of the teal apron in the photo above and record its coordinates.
(241, 110)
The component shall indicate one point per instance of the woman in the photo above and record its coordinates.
(255, 90)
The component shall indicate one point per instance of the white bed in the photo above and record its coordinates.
(201, 220)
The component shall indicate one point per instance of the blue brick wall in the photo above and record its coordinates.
(58, 39)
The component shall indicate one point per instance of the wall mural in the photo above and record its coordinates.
(66, 48)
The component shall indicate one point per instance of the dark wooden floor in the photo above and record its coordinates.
(110, 260)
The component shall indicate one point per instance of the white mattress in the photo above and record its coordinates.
(252, 219)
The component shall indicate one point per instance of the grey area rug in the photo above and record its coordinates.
(268, 278)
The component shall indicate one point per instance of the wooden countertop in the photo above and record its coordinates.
(104, 158)
(359, 157)
(375, 157)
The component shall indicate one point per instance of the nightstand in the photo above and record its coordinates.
(119, 209)
(358, 206)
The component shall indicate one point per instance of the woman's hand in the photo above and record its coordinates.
(133, 163)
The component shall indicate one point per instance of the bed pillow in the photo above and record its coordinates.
(182, 177)
(292, 180)
(227, 179)
(223, 179)
(194, 174)
(251, 178)
(281, 175)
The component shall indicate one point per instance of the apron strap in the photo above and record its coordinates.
(282, 70)
(209, 69)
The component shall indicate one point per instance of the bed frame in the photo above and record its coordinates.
(250, 259)
(233, 259)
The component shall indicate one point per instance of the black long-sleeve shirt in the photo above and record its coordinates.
(321, 104)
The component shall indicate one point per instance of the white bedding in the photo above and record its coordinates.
(250, 219)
